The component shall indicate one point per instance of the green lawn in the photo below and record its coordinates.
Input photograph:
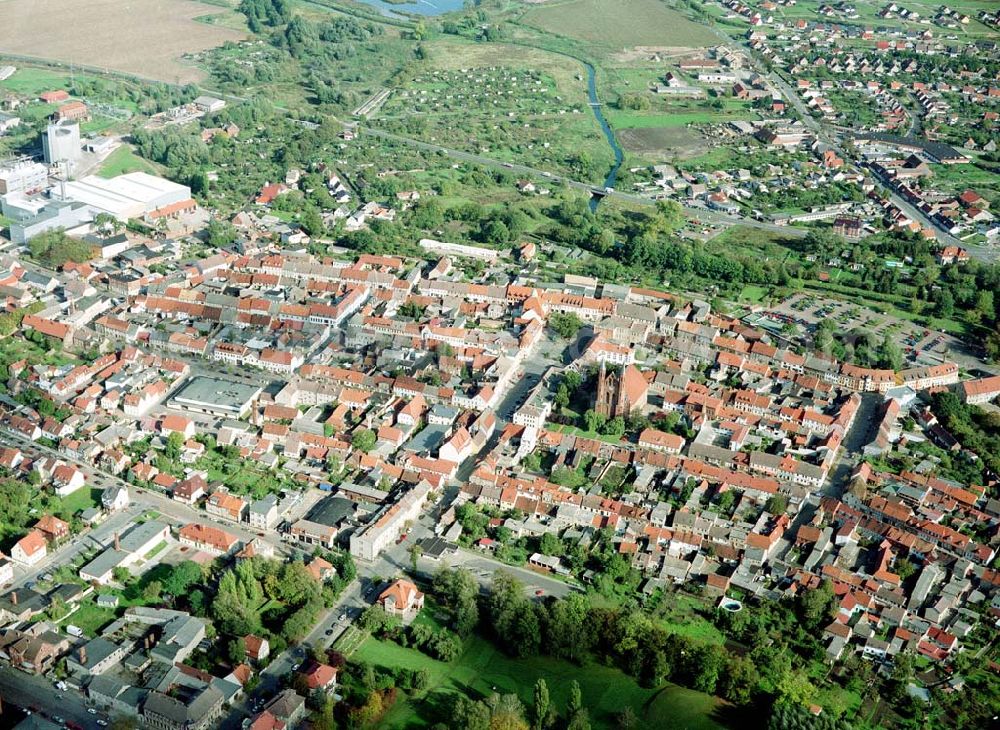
(683, 614)
(483, 669)
(90, 618)
(619, 23)
(124, 160)
(753, 293)
(561, 428)
(156, 550)
(13, 349)
(83, 498)
(33, 81)
(98, 125)
(678, 707)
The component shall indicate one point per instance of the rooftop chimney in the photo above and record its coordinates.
(13, 598)
(83, 654)
(117, 542)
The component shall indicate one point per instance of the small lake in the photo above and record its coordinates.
(418, 7)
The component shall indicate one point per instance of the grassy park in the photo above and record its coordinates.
(483, 669)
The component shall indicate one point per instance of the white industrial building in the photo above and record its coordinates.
(61, 143)
(23, 176)
(127, 196)
(32, 217)
(209, 104)
(458, 249)
(74, 203)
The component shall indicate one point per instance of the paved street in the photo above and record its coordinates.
(860, 433)
(536, 584)
(38, 694)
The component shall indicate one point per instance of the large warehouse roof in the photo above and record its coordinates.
(126, 196)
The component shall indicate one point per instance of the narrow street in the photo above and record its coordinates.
(37, 694)
(861, 432)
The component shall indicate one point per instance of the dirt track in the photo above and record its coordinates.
(144, 37)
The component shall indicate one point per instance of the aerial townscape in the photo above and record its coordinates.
(499, 364)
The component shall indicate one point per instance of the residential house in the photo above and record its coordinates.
(258, 648)
(30, 549)
(401, 599)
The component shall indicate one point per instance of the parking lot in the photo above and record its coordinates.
(920, 345)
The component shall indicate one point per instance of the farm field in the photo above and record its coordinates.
(147, 38)
(482, 669)
(664, 120)
(619, 23)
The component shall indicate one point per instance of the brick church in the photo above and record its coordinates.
(620, 392)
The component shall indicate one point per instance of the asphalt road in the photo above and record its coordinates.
(28, 691)
(483, 568)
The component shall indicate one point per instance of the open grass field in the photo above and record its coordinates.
(620, 23)
(753, 293)
(143, 37)
(563, 428)
(635, 120)
(89, 617)
(482, 668)
(124, 160)
(33, 81)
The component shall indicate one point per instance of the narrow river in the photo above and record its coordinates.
(595, 106)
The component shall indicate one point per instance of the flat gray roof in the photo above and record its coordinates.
(224, 396)
(139, 535)
(104, 563)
